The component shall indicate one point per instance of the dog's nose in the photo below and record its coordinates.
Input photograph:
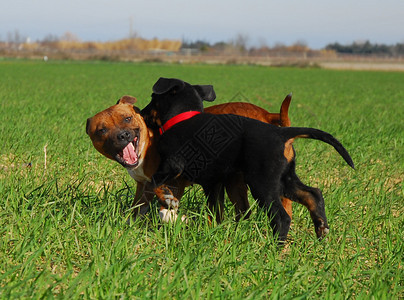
(124, 136)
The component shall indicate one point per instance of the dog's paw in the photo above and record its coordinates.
(166, 197)
(168, 215)
(322, 231)
(171, 201)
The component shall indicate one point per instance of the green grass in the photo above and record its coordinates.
(64, 231)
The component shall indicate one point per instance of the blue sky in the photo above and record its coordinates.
(317, 22)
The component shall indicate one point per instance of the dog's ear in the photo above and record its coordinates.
(206, 92)
(88, 125)
(163, 85)
(137, 109)
(127, 99)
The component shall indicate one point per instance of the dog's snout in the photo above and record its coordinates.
(124, 136)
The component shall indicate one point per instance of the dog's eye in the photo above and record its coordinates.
(102, 131)
(128, 119)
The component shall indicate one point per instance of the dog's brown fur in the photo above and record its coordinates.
(105, 125)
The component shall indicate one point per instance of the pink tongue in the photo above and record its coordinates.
(129, 154)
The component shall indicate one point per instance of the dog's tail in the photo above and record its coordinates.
(312, 133)
(284, 115)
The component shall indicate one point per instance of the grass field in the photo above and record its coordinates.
(63, 224)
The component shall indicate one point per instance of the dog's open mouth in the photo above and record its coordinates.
(129, 156)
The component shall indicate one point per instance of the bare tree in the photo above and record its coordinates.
(50, 38)
(133, 34)
(241, 41)
(69, 37)
(15, 37)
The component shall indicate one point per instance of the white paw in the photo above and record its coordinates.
(168, 215)
(171, 201)
(168, 197)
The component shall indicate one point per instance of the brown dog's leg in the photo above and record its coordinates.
(141, 203)
(177, 187)
(168, 204)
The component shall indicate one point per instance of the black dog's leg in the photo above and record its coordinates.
(267, 194)
(280, 221)
(168, 202)
(310, 197)
(215, 197)
(237, 190)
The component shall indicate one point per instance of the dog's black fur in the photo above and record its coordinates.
(207, 149)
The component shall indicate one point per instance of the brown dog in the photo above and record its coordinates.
(111, 129)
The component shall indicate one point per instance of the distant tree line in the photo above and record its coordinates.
(367, 48)
(240, 44)
(69, 42)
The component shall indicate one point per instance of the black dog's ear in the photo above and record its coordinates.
(137, 109)
(163, 85)
(206, 92)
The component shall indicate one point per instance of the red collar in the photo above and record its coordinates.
(177, 119)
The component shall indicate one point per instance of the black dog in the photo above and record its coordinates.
(208, 149)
